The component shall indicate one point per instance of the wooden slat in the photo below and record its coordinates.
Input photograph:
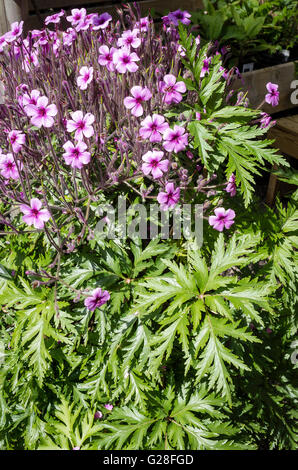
(285, 133)
(255, 83)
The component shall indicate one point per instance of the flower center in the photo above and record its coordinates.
(76, 153)
(42, 112)
(81, 125)
(126, 59)
(175, 137)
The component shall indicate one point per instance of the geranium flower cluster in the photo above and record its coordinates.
(88, 108)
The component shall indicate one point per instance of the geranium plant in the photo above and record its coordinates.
(133, 342)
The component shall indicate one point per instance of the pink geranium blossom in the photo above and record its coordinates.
(69, 36)
(129, 38)
(31, 98)
(143, 24)
(54, 18)
(273, 96)
(109, 407)
(75, 154)
(96, 299)
(179, 15)
(152, 127)
(169, 197)
(154, 164)
(172, 89)
(42, 113)
(266, 121)
(17, 140)
(125, 60)
(30, 60)
(222, 219)
(101, 21)
(106, 57)
(231, 186)
(16, 30)
(133, 102)
(85, 77)
(98, 415)
(82, 125)
(175, 139)
(3, 42)
(77, 15)
(205, 68)
(9, 168)
(34, 215)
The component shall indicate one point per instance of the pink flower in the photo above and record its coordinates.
(82, 125)
(169, 198)
(69, 36)
(17, 140)
(101, 21)
(109, 407)
(273, 96)
(30, 60)
(84, 24)
(266, 121)
(34, 215)
(106, 57)
(125, 60)
(3, 42)
(42, 113)
(76, 448)
(15, 31)
(222, 219)
(85, 77)
(9, 168)
(98, 415)
(152, 127)
(179, 15)
(129, 38)
(172, 89)
(96, 299)
(76, 16)
(54, 18)
(32, 98)
(139, 95)
(231, 186)
(205, 68)
(154, 164)
(75, 154)
(175, 139)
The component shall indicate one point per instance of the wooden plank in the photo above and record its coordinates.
(289, 124)
(255, 83)
(286, 142)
